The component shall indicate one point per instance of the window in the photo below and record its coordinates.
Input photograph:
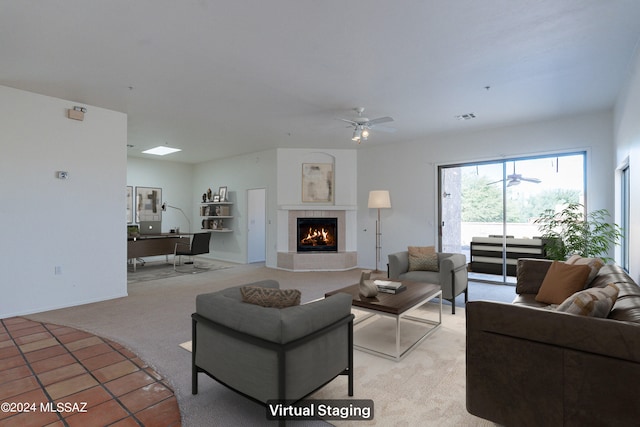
(495, 203)
(624, 214)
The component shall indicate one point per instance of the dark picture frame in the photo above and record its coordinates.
(129, 204)
(148, 204)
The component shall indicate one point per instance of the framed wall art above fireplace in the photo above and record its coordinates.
(317, 183)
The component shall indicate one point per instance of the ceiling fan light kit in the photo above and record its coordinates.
(362, 125)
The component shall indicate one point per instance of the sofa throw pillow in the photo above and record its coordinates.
(561, 281)
(592, 302)
(530, 274)
(270, 297)
(423, 258)
(595, 264)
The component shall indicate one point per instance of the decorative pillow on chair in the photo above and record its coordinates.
(423, 258)
(592, 302)
(270, 297)
(561, 281)
(421, 250)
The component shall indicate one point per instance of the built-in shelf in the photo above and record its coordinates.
(213, 216)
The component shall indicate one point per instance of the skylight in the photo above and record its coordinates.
(161, 150)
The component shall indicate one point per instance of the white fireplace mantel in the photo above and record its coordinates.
(309, 207)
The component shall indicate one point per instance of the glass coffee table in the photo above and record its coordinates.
(398, 307)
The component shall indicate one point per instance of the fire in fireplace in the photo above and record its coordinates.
(317, 235)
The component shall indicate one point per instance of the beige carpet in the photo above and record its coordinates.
(426, 388)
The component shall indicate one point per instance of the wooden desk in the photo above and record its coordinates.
(152, 245)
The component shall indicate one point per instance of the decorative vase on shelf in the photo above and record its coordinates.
(204, 197)
(368, 288)
(209, 193)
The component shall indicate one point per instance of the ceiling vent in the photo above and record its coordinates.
(467, 116)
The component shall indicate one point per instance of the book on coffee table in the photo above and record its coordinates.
(389, 287)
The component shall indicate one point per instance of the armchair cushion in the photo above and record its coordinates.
(269, 297)
(421, 250)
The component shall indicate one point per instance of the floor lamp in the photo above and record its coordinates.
(165, 205)
(379, 199)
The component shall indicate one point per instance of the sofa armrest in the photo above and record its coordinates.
(398, 264)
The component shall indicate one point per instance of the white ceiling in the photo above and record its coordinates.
(221, 78)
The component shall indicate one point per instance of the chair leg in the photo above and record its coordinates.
(194, 369)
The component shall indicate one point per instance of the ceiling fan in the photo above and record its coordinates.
(516, 178)
(362, 125)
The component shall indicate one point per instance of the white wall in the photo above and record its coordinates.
(409, 172)
(627, 138)
(74, 224)
(239, 174)
(176, 181)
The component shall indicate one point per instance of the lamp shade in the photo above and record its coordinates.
(379, 199)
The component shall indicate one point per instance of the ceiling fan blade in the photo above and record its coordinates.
(348, 121)
(513, 182)
(380, 120)
(535, 180)
(495, 182)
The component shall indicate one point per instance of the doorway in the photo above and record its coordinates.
(487, 210)
(256, 225)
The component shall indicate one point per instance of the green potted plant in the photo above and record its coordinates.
(570, 232)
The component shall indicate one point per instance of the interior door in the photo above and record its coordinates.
(256, 227)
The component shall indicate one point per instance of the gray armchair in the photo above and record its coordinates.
(270, 353)
(452, 276)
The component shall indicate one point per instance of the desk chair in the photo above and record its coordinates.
(199, 246)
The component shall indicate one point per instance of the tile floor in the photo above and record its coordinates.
(59, 376)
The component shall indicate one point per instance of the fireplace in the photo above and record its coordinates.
(317, 234)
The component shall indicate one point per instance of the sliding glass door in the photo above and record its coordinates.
(487, 209)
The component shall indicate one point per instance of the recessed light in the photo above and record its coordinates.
(161, 150)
